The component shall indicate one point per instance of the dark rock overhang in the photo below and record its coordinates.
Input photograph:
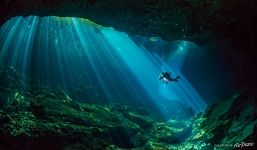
(199, 21)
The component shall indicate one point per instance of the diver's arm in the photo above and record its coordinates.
(160, 77)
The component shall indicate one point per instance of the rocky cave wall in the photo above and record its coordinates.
(194, 20)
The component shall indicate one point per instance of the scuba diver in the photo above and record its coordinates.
(166, 78)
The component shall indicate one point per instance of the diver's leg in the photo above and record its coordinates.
(176, 79)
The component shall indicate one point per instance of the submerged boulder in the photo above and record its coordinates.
(228, 122)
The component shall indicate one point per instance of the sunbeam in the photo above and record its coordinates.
(140, 75)
(67, 48)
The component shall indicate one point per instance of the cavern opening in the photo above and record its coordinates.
(67, 76)
(79, 54)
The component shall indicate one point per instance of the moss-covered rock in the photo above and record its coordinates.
(225, 123)
(46, 117)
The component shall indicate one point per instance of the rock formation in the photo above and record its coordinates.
(42, 116)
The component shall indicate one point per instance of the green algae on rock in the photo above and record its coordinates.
(46, 117)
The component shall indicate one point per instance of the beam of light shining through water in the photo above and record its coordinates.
(146, 67)
(66, 48)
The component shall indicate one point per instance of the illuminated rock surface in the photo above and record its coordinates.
(45, 117)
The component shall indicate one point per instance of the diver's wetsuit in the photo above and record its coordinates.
(165, 77)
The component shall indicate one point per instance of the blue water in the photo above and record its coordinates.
(118, 67)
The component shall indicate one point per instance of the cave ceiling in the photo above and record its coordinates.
(199, 21)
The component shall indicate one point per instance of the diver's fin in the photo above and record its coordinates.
(176, 79)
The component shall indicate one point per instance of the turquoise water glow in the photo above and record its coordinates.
(65, 49)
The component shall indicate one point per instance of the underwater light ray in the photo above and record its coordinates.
(66, 59)
(6, 29)
(119, 69)
(189, 94)
(59, 54)
(28, 46)
(116, 74)
(108, 66)
(177, 59)
(105, 62)
(145, 57)
(104, 68)
(82, 40)
(138, 66)
(73, 53)
(150, 82)
(129, 52)
(43, 48)
(39, 51)
(184, 90)
(122, 69)
(9, 39)
(94, 54)
(82, 60)
(19, 46)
